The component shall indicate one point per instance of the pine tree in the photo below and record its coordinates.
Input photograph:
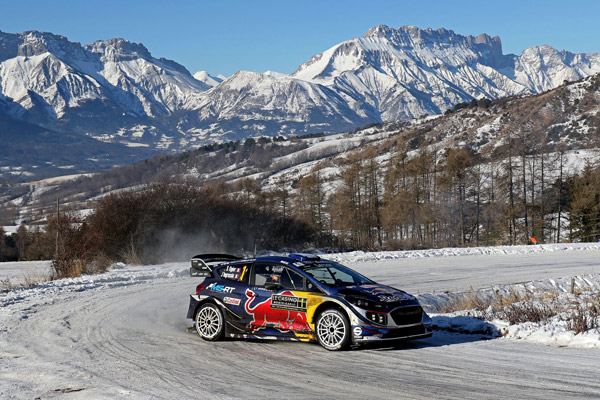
(2, 244)
(22, 241)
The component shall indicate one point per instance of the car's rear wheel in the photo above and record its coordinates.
(333, 330)
(209, 322)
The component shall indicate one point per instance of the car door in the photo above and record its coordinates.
(272, 304)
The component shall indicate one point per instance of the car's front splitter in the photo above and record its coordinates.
(367, 333)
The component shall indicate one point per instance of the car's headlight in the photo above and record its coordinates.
(378, 318)
(364, 303)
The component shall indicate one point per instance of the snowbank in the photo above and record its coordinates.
(553, 331)
(360, 256)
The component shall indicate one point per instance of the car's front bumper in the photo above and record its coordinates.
(362, 334)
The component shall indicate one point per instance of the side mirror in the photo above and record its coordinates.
(273, 286)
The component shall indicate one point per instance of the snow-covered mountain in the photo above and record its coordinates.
(116, 92)
(251, 104)
(208, 79)
(406, 72)
(46, 74)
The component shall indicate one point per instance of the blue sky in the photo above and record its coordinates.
(224, 36)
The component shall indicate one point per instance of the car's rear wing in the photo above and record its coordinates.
(200, 264)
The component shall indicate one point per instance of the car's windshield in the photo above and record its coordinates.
(332, 274)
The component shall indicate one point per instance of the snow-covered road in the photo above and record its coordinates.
(123, 335)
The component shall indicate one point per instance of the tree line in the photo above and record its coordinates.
(407, 198)
(163, 222)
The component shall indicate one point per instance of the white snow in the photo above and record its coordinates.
(16, 273)
(554, 331)
(361, 256)
(10, 229)
(208, 79)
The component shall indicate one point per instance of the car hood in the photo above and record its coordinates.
(379, 293)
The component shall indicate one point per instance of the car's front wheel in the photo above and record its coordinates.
(209, 322)
(333, 330)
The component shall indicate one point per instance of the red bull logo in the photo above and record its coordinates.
(284, 311)
(381, 290)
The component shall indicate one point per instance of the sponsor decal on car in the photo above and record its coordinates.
(285, 302)
(391, 299)
(380, 290)
(282, 319)
(232, 300)
(233, 272)
(215, 287)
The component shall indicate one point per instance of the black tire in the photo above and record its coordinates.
(333, 330)
(209, 322)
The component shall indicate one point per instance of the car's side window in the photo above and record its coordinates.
(291, 280)
(265, 274)
(310, 287)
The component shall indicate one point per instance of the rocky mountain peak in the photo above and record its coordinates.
(378, 31)
(410, 37)
(119, 47)
(33, 43)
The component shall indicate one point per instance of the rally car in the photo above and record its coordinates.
(299, 297)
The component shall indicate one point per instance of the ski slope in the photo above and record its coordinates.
(122, 335)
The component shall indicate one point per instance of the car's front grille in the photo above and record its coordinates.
(408, 315)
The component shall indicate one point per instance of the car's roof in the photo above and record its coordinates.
(296, 259)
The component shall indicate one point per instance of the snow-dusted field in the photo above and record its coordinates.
(122, 334)
(16, 273)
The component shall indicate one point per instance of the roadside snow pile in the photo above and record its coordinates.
(360, 256)
(555, 332)
(120, 275)
(560, 312)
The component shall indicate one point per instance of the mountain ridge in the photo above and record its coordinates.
(562, 122)
(115, 91)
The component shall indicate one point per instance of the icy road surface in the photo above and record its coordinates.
(123, 335)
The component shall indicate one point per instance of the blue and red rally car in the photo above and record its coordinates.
(299, 297)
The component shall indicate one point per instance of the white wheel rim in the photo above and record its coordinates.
(208, 322)
(331, 330)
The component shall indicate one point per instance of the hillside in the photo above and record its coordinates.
(563, 119)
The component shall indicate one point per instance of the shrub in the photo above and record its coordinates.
(74, 249)
(526, 312)
(583, 319)
(170, 222)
